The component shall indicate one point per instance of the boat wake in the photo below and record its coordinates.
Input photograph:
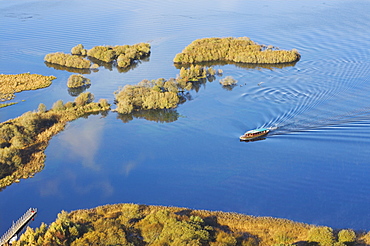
(341, 103)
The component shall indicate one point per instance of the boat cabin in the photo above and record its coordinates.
(254, 133)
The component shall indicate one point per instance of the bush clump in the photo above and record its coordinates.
(102, 53)
(228, 81)
(121, 55)
(77, 80)
(125, 55)
(240, 50)
(79, 50)
(322, 235)
(346, 236)
(67, 60)
(160, 95)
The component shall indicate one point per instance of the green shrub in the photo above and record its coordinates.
(162, 228)
(102, 53)
(225, 239)
(339, 244)
(147, 95)
(79, 50)
(126, 54)
(77, 80)
(346, 236)
(283, 238)
(228, 80)
(58, 106)
(321, 235)
(41, 108)
(84, 98)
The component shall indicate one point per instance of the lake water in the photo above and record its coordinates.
(314, 167)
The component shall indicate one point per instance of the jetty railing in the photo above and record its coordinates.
(17, 226)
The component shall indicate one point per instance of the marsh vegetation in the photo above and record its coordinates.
(24, 139)
(161, 93)
(239, 50)
(123, 56)
(77, 80)
(13, 83)
(67, 60)
(3, 105)
(132, 224)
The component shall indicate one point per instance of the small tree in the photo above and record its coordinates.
(84, 98)
(58, 105)
(103, 103)
(347, 236)
(79, 50)
(321, 235)
(77, 80)
(228, 80)
(41, 108)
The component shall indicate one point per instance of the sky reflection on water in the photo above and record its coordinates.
(313, 168)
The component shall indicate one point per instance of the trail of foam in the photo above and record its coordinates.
(322, 109)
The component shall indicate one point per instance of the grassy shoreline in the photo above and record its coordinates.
(134, 224)
(24, 139)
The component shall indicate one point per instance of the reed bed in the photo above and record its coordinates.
(161, 93)
(123, 56)
(230, 49)
(134, 224)
(13, 83)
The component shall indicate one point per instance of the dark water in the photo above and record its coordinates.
(314, 167)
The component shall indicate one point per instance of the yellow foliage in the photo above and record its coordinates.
(77, 80)
(146, 95)
(67, 60)
(132, 224)
(24, 139)
(12, 83)
(241, 50)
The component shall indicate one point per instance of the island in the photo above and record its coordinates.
(78, 81)
(122, 55)
(13, 83)
(161, 93)
(230, 49)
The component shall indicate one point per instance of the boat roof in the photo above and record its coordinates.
(258, 130)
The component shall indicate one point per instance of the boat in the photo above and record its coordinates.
(253, 134)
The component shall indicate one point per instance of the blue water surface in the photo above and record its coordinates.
(313, 167)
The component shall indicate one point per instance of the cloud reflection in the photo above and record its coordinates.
(83, 141)
(70, 181)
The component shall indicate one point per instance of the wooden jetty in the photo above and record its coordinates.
(18, 226)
